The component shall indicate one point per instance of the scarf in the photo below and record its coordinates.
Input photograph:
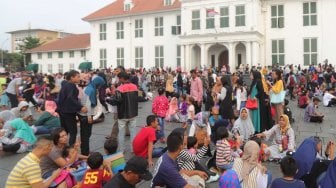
(250, 158)
(288, 126)
(23, 131)
(91, 89)
(244, 127)
(7, 116)
(305, 156)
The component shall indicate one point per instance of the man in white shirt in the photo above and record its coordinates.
(329, 99)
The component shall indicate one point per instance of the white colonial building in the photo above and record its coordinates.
(193, 33)
(62, 55)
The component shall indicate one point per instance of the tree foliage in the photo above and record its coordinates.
(29, 43)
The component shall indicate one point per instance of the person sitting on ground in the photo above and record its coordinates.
(243, 126)
(23, 111)
(27, 172)
(116, 159)
(48, 121)
(23, 139)
(288, 168)
(166, 171)
(200, 128)
(135, 171)
(5, 117)
(172, 113)
(143, 143)
(283, 141)
(224, 154)
(329, 99)
(329, 177)
(303, 100)
(311, 115)
(96, 176)
(215, 116)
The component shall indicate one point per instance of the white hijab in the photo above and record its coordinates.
(244, 127)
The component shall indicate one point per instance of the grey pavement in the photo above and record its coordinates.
(326, 130)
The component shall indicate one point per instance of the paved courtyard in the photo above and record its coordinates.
(326, 130)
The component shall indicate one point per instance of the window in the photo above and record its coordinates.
(210, 20)
(50, 68)
(159, 26)
(278, 52)
(49, 55)
(127, 7)
(60, 68)
(102, 55)
(310, 51)
(224, 17)
(71, 54)
(309, 14)
(159, 59)
(277, 16)
(120, 56)
(39, 55)
(138, 57)
(176, 29)
(83, 53)
(138, 28)
(102, 31)
(71, 66)
(167, 2)
(60, 54)
(178, 56)
(240, 15)
(195, 20)
(120, 30)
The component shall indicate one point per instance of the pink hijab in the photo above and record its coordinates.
(50, 106)
(173, 107)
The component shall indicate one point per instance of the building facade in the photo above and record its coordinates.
(63, 54)
(45, 36)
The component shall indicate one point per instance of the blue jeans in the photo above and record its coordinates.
(42, 130)
(157, 152)
(269, 178)
(161, 132)
(121, 135)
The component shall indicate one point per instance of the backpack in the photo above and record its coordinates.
(200, 134)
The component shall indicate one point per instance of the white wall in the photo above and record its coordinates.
(148, 42)
(55, 61)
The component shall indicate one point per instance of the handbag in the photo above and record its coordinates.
(251, 104)
(278, 98)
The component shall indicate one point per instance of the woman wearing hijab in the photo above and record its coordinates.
(247, 167)
(89, 100)
(49, 119)
(243, 126)
(225, 107)
(23, 111)
(257, 92)
(283, 141)
(23, 139)
(172, 110)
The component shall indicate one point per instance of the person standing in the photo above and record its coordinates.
(12, 90)
(68, 105)
(27, 172)
(126, 100)
(277, 88)
(159, 108)
(196, 90)
(179, 82)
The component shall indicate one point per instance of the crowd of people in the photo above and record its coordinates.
(227, 128)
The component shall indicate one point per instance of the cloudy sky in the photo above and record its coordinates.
(62, 15)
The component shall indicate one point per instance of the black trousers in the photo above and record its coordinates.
(316, 119)
(69, 123)
(85, 134)
(13, 100)
(29, 98)
(198, 108)
(332, 102)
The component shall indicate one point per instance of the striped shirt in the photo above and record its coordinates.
(26, 172)
(223, 153)
(251, 179)
(186, 160)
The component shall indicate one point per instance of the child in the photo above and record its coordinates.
(115, 158)
(224, 158)
(192, 145)
(241, 95)
(215, 116)
(288, 168)
(190, 110)
(4, 100)
(303, 100)
(159, 108)
(95, 176)
(200, 128)
(183, 107)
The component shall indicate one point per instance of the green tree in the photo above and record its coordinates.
(29, 43)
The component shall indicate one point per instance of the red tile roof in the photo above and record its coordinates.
(71, 42)
(139, 6)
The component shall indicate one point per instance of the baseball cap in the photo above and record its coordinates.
(139, 165)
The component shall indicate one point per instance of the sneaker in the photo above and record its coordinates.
(212, 178)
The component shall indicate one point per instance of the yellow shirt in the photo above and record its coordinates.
(3, 80)
(26, 172)
(278, 87)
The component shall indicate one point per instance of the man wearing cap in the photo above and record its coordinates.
(311, 115)
(136, 170)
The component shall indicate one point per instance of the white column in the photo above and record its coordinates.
(203, 55)
(255, 54)
(183, 64)
(187, 57)
(262, 54)
(232, 57)
(248, 54)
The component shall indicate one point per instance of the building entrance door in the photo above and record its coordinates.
(223, 59)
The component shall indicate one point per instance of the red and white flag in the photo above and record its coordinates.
(211, 12)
